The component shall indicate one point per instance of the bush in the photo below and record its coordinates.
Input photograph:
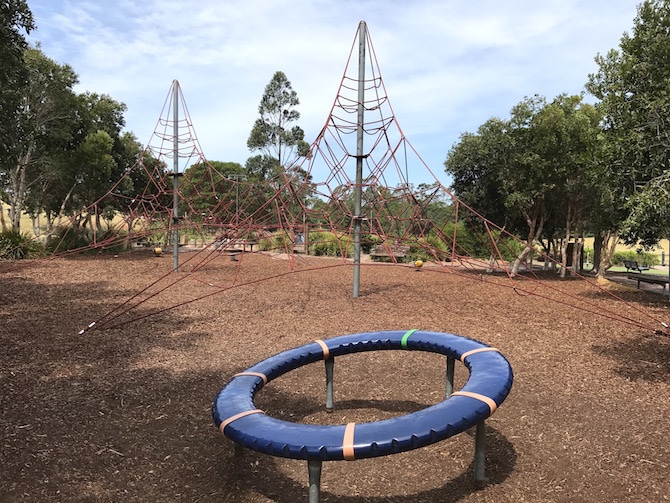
(511, 248)
(111, 241)
(588, 255)
(427, 248)
(19, 245)
(642, 258)
(68, 238)
(368, 242)
(278, 241)
(330, 245)
(469, 240)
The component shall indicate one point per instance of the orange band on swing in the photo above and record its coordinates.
(225, 423)
(348, 442)
(326, 351)
(473, 351)
(488, 401)
(257, 374)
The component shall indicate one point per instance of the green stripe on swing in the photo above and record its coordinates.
(403, 341)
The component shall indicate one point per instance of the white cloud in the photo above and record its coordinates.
(448, 66)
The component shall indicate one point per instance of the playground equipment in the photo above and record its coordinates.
(488, 385)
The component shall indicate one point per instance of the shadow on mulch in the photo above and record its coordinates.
(266, 477)
(261, 473)
(643, 358)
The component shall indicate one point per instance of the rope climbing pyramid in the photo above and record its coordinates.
(351, 197)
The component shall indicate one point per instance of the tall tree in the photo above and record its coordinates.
(16, 21)
(632, 86)
(212, 189)
(476, 166)
(46, 119)
(568, 132)
(102, 154)
(526, 168)
(272, 133)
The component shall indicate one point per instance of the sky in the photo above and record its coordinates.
(448, 66)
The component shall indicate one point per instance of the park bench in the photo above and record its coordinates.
(651, 279)
(632, 265)
(234, 247)
(395, 251)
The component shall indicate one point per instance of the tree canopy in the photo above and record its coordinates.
(632, 86)
(533, 172)
(69, 148)
(16, 21)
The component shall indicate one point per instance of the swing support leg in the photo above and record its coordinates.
(314, 469)
(330, 364)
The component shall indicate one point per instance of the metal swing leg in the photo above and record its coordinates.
(451, 363)
(314, 469)
(330, 364)
(480, 454)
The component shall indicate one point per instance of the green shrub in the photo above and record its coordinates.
(330, 245)
(468, 241)
(111, 241)
(278, 241)
(368, 242)
(429, 247)
(642, 258)
(588, 255)
(67, 238)
(19, 245)
(511, 248)
(71, 239)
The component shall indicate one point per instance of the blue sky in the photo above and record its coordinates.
(448, 66)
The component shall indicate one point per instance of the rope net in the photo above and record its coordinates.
(307, 208)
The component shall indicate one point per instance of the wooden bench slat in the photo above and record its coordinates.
(397, 251)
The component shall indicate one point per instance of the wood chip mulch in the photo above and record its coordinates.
(122, 412)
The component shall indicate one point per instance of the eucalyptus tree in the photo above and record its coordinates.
(280, 143)
(273, 133)
(16, 21)
(91, 157)
(45, 119)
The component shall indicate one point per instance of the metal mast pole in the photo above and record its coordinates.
(175, 177)
(358, 190)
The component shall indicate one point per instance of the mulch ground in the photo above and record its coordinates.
(121, 413)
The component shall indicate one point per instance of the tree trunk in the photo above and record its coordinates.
(597, 248)
(535, 225)
(36, 225)
(609, 241)
(81, 225)
(577, 255)
(566, 242)
(2, 218)
(579, 242)
(61, 210)
(492, 258)
(130, 222)
(17, 186)
(50, 224)
(558, 243)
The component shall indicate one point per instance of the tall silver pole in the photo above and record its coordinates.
(175, 177)
(358, 190)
